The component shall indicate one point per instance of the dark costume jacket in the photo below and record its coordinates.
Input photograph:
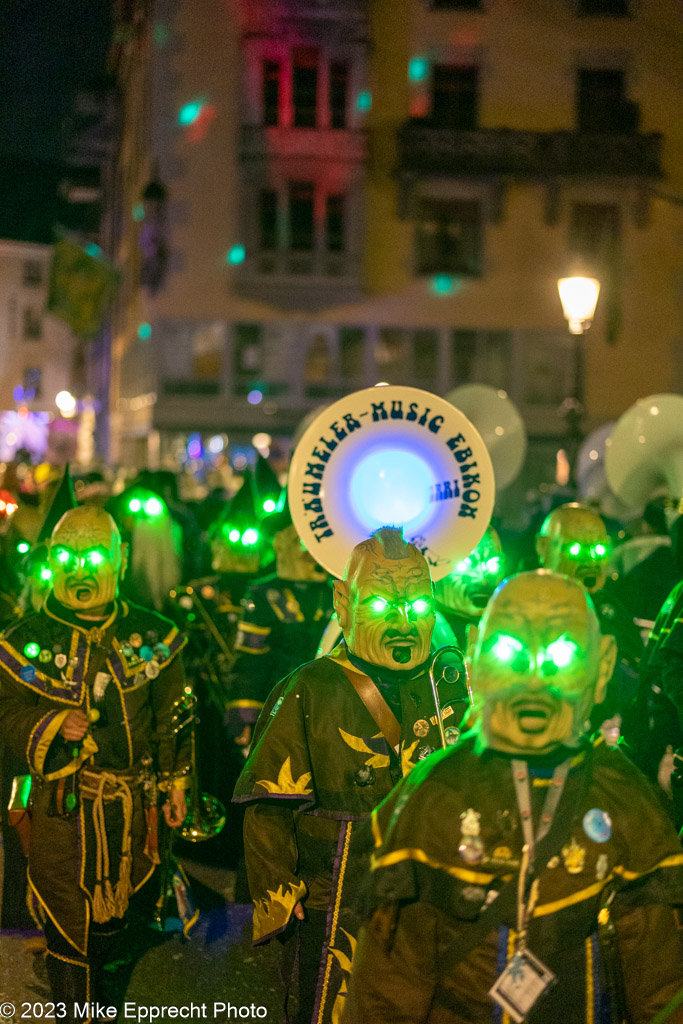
(318, 766)
(619, 840)
(279, 630)
(90, 846)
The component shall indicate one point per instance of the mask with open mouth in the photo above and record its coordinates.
(538, 664)
(86, 559)
(470, 585)
(385, 604)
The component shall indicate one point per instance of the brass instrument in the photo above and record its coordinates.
(206, 814)
(449, 674)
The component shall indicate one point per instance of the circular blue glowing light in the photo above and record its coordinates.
(190, 112)
(364, 100)
(144, 331)
(418, 69)
(254, 397)
(391, 487)
(236, 255)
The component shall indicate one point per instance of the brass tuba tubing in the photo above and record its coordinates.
(205, 816)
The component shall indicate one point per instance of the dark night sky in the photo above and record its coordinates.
(47, 49)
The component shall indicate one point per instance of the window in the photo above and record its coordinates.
(248, 350)
(393, 356)
(32, 273)
(595, 233)
(339, 84)
(484, 357)
(602, 105)
(425, 356)
(608, 8)
(448, 237)
(33, 324)
(301, 234)
(334, 224)
(268, 220)
(318, 362)
(271, 92)
(548, 371)
(207, 351)
(305, 87)
(32, 383)
(454, 96)
(351, 352)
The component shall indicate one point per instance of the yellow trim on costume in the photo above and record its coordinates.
(250, 626)
(75, 639)
(377, 835)
(126, 725)
(463, 874)
(88, 748)
(243, 703)
(179, 782)
(673, 861)
(88, 629)
(251, 650)
(335, 920)
(568, 901)
(41, 901)
(282, 903)
(512, 936)
(187, 928)
(74, 703)
(50, 732)
(590, 994)
(76, 963)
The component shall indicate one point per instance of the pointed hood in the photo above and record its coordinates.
(240, 512)
(267, 488)
(63, 501)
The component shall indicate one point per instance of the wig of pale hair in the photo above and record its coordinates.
(156, 566)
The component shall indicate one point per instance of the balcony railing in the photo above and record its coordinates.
(335, 144)
(426, 149)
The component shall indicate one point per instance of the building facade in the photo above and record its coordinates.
(388, 191)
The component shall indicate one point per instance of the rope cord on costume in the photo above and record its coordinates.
(109, 902)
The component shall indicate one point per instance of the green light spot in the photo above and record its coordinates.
(364, 100)
(493, 565)
(32, 650)
(575, 550)
(561, 652)
(379, 604)
(95, 557)
(463, 566)
(506, 649)
(249, 537)
(236, 255)
(269, 506)
(234, 536)
(421, 606)
(600, 550)
(153, 507)
(23, 547)
(190, 112)
(63, 556)
(418, 69)
(144, 331)
(138, 211)
(70, 800)
(93, 250)
(134, 505)
(442, 284)
(45, 574)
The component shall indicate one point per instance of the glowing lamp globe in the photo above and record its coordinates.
(579, 297)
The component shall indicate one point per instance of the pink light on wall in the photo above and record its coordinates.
(197, 129)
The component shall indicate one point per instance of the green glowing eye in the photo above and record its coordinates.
(153, 507)
(561, 652)
(234, 536)
(32, 650)
(250, 537)
(420, 606)
(63, 556)
(463, 566)
(600, 550)
(379, 604)
(134, 505)
(493, 564)
(506, 649)
(95, 557)
(45, 574)
(268, 506)
(23, 547)
(575, 549)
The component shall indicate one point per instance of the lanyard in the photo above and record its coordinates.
(520, 775)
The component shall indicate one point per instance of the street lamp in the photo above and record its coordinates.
(579, 297)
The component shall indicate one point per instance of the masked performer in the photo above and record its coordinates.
(283, 618)
(332, 740)
(524, 843)
(573, 541)
(462, 595)
(87, 693)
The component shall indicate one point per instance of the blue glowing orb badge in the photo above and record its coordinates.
(597, 825)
